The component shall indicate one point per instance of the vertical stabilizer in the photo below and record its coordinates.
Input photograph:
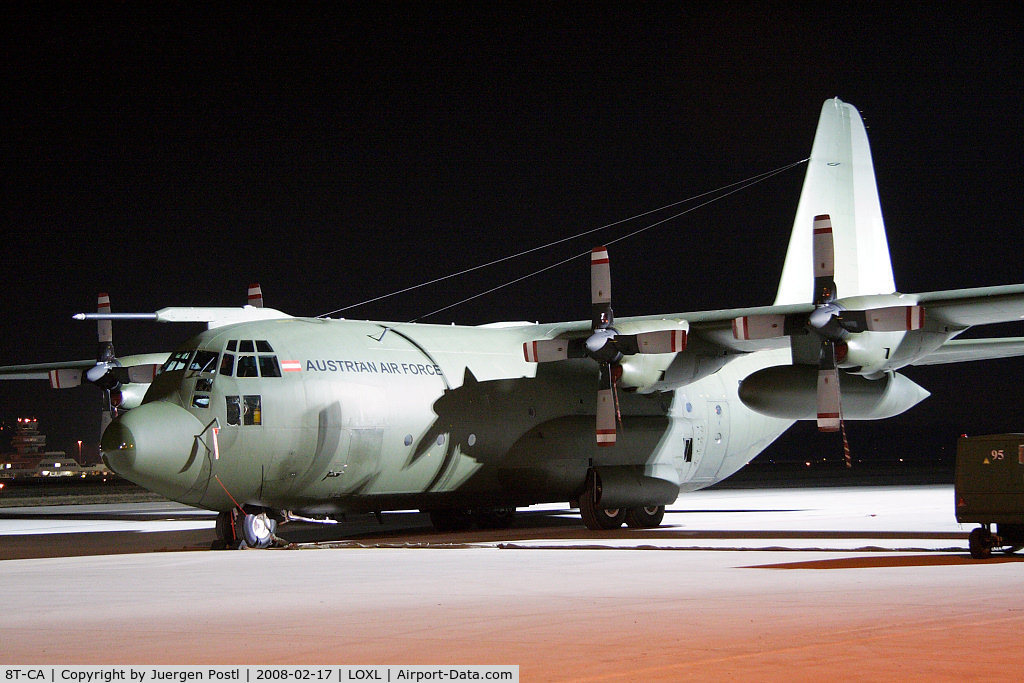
(840, 182)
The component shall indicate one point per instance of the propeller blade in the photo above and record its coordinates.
(889, 319)
(661, 341)
(105, 357)
(605, 408)
(64, 378)
(758, 327)
(255, 295)
(142, 374)
(103, 327)
(545, 350)
(105, 419)
(828, 390)
(824, 261)
(605, 418)
(600, 289)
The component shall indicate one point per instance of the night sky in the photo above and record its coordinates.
(172, 155)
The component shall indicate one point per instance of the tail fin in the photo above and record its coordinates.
(840, 182)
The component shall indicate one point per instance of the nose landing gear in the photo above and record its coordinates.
(252, 528)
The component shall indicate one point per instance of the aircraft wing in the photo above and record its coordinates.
(42, 370)
(956, 310)
(962, 350)
(715, 327)
(979, 306)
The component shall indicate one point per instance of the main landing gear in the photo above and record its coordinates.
(597, 517)
(252, 528)
(602, 519)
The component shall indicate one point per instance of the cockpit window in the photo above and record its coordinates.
(179, 361)
(204, 361)
(263, 365)
(269, 367)
(246, 367)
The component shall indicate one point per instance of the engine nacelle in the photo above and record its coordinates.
(790, 392)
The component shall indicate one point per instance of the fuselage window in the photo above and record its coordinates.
(252, 413)
(245, 345)
(232, 344)
(246, 367)
(178, 361)
(204, 384)
(263, 346)
(227, 364)
(688, 452)
(269, 367)
(201, 401)
(204, 361)
(234, 410)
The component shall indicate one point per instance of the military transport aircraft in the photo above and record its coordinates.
(272, 420)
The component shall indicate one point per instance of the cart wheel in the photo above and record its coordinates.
(980, 543)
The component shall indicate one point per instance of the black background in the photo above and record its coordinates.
(172, 155)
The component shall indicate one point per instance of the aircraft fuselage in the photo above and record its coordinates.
(326, 416)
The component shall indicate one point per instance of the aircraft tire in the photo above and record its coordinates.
(223, 528)
(229, 530)
(451, 520)
(646, 517)
(599, 519)
(980, 543)
(494, 518)
(258, 530)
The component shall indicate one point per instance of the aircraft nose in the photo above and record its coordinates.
(152, 445)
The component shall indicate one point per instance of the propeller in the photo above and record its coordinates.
(830, 322)
(825, 322)
(107, 373)
(605, 345)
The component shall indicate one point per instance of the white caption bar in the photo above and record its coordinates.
(254, 674)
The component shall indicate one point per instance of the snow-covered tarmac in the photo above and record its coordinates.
(864, 583)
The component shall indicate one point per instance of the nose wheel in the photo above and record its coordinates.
(237, 530)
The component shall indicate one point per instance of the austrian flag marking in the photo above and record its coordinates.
(291, 365)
